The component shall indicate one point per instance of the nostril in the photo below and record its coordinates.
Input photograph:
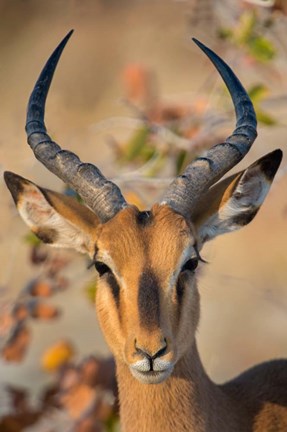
(161, 351)
(148, 354)
(141, 351)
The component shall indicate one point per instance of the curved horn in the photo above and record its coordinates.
(101, 195)
(186, 189)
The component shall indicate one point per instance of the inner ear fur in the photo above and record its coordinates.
(234, 201)
(72, 209)
(55, 218)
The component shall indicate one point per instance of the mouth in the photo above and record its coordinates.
(151, 377)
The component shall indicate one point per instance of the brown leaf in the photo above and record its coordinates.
(20, 311)
(104, 408)
(7, 321)
(69, 377)
(38, 254)
(78, 399)
(40, 288)
(49, 397)
(17, 423)
(18, 398)
(89, 424)
(99, 372)
(140, 85)
(41, 310)
(15, 348)
(61, 283)
(56, 264)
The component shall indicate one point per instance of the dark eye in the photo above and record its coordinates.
(102, 268)
(190, 265)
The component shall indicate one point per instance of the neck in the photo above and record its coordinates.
(187, 400)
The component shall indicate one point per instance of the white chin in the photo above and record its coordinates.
(152, 377)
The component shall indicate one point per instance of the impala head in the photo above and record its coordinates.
(147, 299)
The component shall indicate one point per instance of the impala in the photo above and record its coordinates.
(147, 299)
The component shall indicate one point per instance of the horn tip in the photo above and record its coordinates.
(69, 34)
(66, 38)
(203, 47)
(195, 40)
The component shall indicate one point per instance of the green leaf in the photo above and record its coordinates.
(137, 144)
(245, 34)
(261, 48)
(258, 92)
(245, 29)
(265, 118)
(157, 165)
(180, 161)
(147, 153)
(32, 240)
(224, 33)
(90, 290)
(112, 424)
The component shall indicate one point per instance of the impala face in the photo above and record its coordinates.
(147, 301)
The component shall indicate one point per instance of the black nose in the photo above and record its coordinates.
(151, 356)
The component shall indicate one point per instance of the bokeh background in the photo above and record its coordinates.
(130, 68)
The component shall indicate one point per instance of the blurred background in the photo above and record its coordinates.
(135, 96)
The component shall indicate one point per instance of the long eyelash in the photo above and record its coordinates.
(198, 256)
(91, 264)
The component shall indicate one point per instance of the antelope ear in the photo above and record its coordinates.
(55, 218)
(234, 201)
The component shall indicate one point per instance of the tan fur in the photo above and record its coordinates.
(157, 245)
(141, 245)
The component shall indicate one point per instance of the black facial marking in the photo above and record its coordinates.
(47, 235)
(113, 284)
(180, 289)
(144, 218)
(148, 299)
(105, 272)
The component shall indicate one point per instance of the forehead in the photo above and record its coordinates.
(150, 238)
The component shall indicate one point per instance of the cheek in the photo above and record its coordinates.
(109, 318)
(187, 311)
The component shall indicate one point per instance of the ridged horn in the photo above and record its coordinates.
(184, 192)
(100, 194)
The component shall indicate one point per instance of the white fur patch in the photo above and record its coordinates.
(39, 214)
(186, 254)
(247, 197)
